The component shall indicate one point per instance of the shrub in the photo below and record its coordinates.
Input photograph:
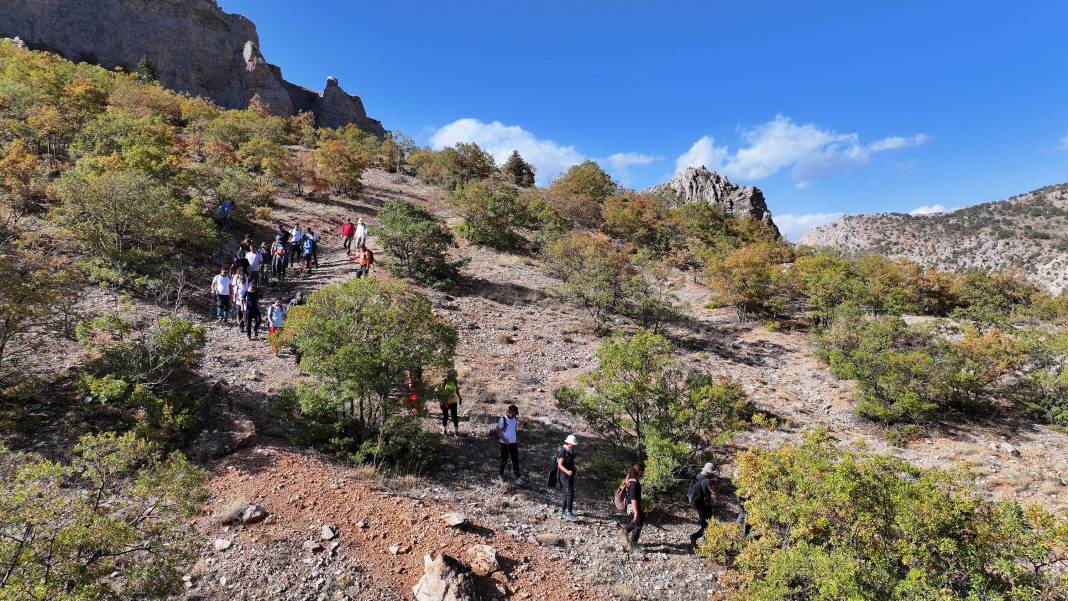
(420, 241)
(491, 212)
(593, 270)
(587, 181)
(645, 405)
(467, 162)
(118, 513)
(839, 525)
(341, 165)
(635, 218)
(31, 292)
(150, 377)
(753, 279)
(517, 171)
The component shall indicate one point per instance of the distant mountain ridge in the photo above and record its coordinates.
(1027, 233)
(196, 47)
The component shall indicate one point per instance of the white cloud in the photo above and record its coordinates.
(794, 226)
(704, 152)
(548, 157)
(928, 210)
(808, 151)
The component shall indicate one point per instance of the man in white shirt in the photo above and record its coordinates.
(255, 260)
(296, 244)
(507, 430)
(220, 293)
(361, 233)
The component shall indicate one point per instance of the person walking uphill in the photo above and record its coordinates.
(631, 528)
(348, 230)
(450, 403)
(220, 295)
(250, 303)
(507, 436)
(700, 495)
(565, 473)
(361, 233)
(279, 258)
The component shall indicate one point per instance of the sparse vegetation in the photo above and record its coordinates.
(420, 241)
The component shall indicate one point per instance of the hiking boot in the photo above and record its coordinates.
(569, 516)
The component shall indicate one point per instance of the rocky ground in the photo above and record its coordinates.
(517, 343)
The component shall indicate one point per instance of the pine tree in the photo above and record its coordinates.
(518, 171)
(146, 70)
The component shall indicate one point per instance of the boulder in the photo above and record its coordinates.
(482, 559)
(444, 579)
(456, 520)
(222, 544)
(253, 514)
(328, 532)
(231, 437)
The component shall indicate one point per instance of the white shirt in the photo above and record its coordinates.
(508, 426)
(240, 285)
(314, 236)
(361, 230)
(253, 258)
(221, 285)
(297, 236)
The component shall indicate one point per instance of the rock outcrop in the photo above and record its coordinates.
(444, 579)
(1026, 234)
(698, 184)
(196, 48)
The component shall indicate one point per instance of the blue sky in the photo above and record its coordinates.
(829, 106)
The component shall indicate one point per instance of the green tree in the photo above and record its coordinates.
(586, 180)
(644, 404)
(31, 289)
(467, 162)
(491, 212)
(518, 171)
(840, 525)
(146, 70)
(118, 513)
(593, 270)
(753, 278)
(419, 241)
(341, 164)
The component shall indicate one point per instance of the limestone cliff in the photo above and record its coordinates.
(698, 184)
(196, 47)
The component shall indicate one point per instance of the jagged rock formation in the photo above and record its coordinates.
(1026, 233)
(196, 47)
(698, 184)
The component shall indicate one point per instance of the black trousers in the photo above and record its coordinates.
(451, 409)
(253, 317)
(347, 244)
(703, 515)
(510, 451)
(633, 529)
(567, 483)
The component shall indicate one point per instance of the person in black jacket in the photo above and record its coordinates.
(635, 519)
(703, 504)
(565, 471)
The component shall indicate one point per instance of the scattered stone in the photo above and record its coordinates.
(456, 520)
(550, 540)
(444, 579)
(361, 524)
(222, 544)
(399, 549)
(483, 559)
(253, 514)
(312, 546)
(1011, 450)
(328, 532)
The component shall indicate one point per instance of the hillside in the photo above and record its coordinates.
(1027, 233)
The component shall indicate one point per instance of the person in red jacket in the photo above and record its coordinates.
(348, 230)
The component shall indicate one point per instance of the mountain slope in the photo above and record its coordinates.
(1027, 233)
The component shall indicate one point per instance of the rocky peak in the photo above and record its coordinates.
(699, 184)
(196, 46)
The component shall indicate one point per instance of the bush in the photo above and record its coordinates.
(150, 377)
(753, 279)
(341, 165)
(420, 241)
(361, 339)
(112, 524)
(491, 212)
(838, 525)
(645, 405)
(31, 293)
(593, 270)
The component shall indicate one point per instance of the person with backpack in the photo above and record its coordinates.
(365, 261)
(279, 258)
(276, 316)
(700, 495)
(450, 403)
(629, 498)
(250, 304)
(508, 438)
(348, 230)
(566, 474)
(223, 214)
(220, 295)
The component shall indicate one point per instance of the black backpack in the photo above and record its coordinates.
(695, 494)
(553, 478)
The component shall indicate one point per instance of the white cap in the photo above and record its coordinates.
(708, 469)
(571, 440)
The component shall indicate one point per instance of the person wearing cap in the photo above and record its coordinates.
(348, 230)
(565, 472)
(507, 436)
(361, 233)
(703, 502)
(279, 257)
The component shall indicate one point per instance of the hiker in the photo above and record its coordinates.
(507, 437)
(238, 286)
(296, 244)
(631, 528)
(255, 262)
(365, 261)
(565, 473)
(307, 248)
(276, 316)
(315, 246)
(220, 295)
(700, 495)
(348, 230)
(450, 403)
(279, 258)
(414, 381)
(250, 304)
(223, 214)
(361, 233)
(246, 245)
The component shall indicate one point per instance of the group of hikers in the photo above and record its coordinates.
(235, 290)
